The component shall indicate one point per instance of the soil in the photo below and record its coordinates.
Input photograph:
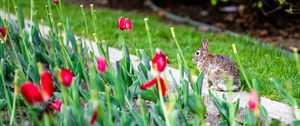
(280, 28)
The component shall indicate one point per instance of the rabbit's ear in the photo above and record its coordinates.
(205, 43)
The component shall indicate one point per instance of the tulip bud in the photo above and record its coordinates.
(121, 23)
(124, 24)
(55, 1)
(101, 64)
(31, 93)
(46, 85)
(254, 102)
(3, 32)
(66, 76)
(128, 24)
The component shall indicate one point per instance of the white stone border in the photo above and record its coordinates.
(276, 110)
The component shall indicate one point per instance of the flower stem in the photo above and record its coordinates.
(64, 93)
(82, 66)
(143, 110)
(4, 85)
(51, 21)
(31, 18)
(47, 121)
(63, 52)
(178, 46)
(94, 22)
(86, 26)
(15, 54)
(59, 10)
(162, 103)
(12, 115)
(241, 66)
(149, 37)
(129, 105)
(107, 94)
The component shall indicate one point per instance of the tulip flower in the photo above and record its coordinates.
(121, 23)
(124, 23)
(46, 85)
(128, 24)
(3, 32)
(254, 102)
(31, 93)
(154, 81)
(55, 1)
(66, 76)
(94, 117)
(56, 105)
(160, 60)
(101, 64)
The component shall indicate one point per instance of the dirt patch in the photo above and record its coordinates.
(280, 28)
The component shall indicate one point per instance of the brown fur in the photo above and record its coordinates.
(218, 69)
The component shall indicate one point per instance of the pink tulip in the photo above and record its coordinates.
(56, 105)
(55, 1)
(254, 101)
(128, 24)
(124, 24)
(101, 64)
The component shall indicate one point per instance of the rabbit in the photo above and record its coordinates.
(218, 69)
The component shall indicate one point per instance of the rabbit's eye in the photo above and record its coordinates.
(197, 53)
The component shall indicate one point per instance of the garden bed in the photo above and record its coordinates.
(258, 60)
(129, 71)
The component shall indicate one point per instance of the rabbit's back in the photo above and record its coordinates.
(217, 65)
(225, 64)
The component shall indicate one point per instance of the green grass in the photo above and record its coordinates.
(260, 62)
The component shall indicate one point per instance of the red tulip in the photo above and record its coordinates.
(46, 85)
(154, 81)
(101, 65)
(124, 24)
(160, 60)
(55, 1)
(254, 101)
(31, 93)
(121, 23)
(66, 76)
(94, 117)
(3, 31)
(56, 105)
(128, 24)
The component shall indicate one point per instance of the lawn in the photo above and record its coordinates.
(260, 62)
